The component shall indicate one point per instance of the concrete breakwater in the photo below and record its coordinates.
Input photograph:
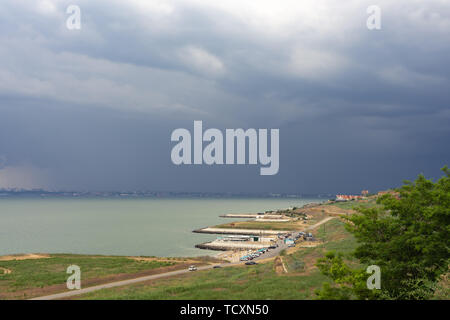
(238, 240)
(257, 232)
(239, 215)
(224, 246)
(252, 216)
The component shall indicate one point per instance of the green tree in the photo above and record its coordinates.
(407, 237)
(351, 284)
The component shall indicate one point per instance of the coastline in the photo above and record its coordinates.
(159, 267)
(142, 227)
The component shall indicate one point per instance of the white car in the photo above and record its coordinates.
(192, 268)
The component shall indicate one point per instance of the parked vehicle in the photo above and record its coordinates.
(192, 268)
(250, 263)
(216, 267)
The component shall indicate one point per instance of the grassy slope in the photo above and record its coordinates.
(38, 273)
(245, 282)
(348, 205)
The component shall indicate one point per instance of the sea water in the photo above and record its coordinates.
(143, 226)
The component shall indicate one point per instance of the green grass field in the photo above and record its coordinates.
(245, 282)
(254, 282)
(39, 273)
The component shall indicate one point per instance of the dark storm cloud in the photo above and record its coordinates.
(94, 108)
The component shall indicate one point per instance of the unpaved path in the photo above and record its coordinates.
(318, 224)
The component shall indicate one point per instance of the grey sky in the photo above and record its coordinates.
(94, 108)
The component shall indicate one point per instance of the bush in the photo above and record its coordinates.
(407, 237)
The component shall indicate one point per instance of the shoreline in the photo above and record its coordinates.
(143, 268)
(205, 230)
(233, 241)
(113, 227)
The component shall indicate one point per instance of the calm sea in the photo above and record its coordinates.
(152, 227)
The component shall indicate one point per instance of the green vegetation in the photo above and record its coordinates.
(349, 205)
(407, 237)
(292, 213)
(38, 273)
(249, 282)
(334, 237)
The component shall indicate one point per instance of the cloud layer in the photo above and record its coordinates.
(356, 108)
